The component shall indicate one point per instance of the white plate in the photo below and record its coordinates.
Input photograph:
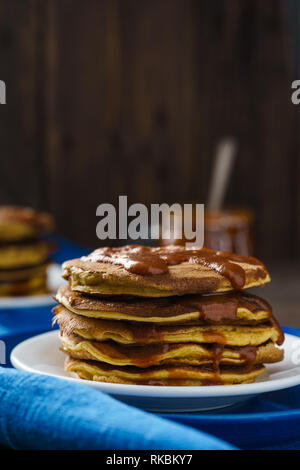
(54, 281)
(40, 354)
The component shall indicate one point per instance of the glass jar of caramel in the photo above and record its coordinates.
(227, 230)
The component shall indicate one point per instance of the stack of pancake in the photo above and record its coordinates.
(166, 316)
(23, 252)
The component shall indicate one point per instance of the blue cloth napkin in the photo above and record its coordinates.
(41, 412)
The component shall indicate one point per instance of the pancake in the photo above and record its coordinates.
(18, 223)
(32, 286)
(162, 354)
(21, 274)
(23, 255)
(135, 333)
(162, 375)
(237, 307)
(163, 271)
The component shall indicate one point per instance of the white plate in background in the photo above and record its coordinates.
(41, 355)
(54, 281)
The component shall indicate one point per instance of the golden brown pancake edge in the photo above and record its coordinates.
(134, 333)
(233, 307)
(163, 375)
(164, 353)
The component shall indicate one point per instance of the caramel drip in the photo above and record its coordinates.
(143, 334)
(151, 356)
(214, 308)
(217, 352)
(145, 261)
(248, 353)
(140, 355)
(223, 307)
(276, 325)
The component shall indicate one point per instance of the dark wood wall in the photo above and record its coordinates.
(109, 97)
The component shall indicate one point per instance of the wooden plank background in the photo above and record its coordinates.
(109, 97)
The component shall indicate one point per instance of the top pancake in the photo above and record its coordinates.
(163, 271)
(20, 223)
(231, 307)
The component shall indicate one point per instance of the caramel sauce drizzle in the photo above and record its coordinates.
(211, 307)
(148, 261)
(248, 353)
(217, 356)
(222, 307)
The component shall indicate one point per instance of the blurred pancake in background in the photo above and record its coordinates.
(30, 286)
(20, 223)
(24, 252)
(21, 274)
